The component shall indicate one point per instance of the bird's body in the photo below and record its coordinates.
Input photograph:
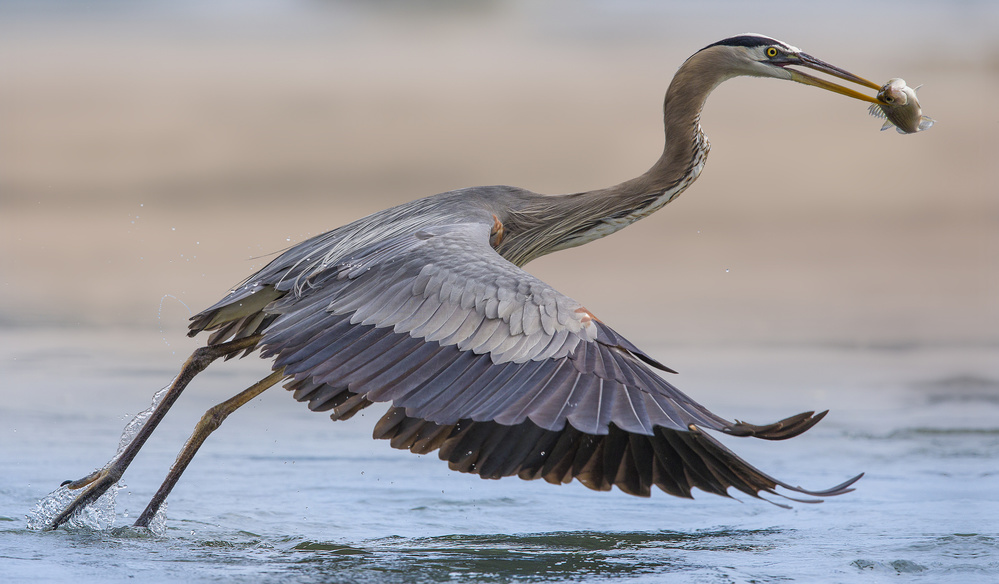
(425, 305)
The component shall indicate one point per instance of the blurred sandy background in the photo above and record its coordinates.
(153, 154)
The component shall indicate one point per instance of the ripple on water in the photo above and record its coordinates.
(894, 566)
(960, 389)
(561, 556)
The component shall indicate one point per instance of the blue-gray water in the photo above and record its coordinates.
(283, 494)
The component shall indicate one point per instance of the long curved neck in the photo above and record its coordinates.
(553, 223)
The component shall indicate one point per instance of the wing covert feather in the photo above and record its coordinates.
(363, 323)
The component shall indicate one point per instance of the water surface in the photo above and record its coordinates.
(283, 494)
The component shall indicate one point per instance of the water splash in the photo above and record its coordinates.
(132, 428)
(99, 515)
(157, 525)
(159, 313)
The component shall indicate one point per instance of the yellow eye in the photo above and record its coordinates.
(772, 52)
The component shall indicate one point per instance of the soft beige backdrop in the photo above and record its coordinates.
(152, 158)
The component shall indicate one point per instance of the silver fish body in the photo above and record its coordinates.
(900, 108)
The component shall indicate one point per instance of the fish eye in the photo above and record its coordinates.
(772, 52)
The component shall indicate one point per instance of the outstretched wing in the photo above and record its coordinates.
(497, 369)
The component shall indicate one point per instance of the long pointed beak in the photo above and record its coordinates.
(813, 63)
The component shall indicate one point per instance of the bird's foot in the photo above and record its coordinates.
(80, 483)
(93, 486)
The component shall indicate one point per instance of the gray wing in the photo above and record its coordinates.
(497, 369)
(439, 324)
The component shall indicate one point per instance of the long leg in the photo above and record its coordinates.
(210, 422)
(99, 481)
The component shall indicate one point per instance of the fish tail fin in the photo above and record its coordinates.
(925, 123)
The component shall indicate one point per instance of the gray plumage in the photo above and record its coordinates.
(426, 306)
(423, 307)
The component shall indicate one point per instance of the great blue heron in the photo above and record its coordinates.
(426, 305)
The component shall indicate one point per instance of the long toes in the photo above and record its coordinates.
(87, 480)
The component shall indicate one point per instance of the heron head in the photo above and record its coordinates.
(760, 56)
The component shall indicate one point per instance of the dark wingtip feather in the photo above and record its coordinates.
(840, 489)
(674, 461)
(781, 430)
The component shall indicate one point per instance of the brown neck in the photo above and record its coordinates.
(549, 224)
